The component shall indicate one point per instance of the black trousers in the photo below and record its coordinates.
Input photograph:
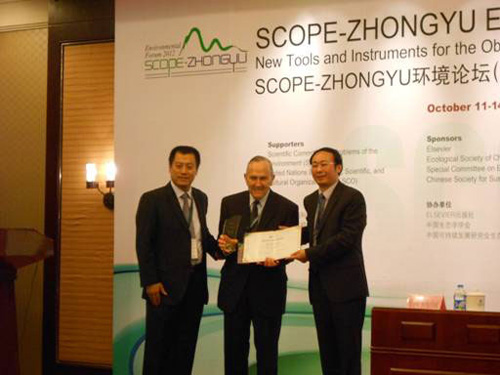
(339, 328)
(172, 332)
(266, 331)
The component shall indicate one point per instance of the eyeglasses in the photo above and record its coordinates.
(321, 165)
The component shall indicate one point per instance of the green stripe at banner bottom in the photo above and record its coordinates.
(298, 345)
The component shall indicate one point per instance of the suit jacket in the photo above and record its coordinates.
(338, 257)
(266, 287)
(163, 242)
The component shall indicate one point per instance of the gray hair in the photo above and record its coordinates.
(259, 158)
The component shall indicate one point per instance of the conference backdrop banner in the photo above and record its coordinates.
(407, 91)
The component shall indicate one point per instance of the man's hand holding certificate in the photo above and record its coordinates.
(278, 244)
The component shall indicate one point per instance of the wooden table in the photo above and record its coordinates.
(428, 342)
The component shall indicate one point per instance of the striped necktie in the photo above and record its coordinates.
(254, 215)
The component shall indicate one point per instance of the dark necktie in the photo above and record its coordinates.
(188, 212)
(319, 216)
(254, 215)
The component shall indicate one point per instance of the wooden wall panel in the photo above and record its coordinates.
(86, 252)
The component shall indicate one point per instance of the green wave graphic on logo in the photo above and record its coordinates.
(205, 49)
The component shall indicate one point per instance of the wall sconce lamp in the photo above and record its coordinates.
(108, 198)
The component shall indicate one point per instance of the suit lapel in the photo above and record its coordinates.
(201, 213)
(245, 219)
(174, 202)
(311, 211)
(268, 212)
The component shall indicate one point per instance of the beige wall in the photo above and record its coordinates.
(23, 80)
(23, 14)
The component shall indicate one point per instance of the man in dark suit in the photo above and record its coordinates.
(336, 218)
(172, 242)
(254, 293)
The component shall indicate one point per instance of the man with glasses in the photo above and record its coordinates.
(336, 218)
(171, 242)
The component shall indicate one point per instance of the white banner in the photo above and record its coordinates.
(408, 92)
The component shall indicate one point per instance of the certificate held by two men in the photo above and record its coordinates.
(276, 244)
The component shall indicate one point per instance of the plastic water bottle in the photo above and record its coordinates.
(460, 298)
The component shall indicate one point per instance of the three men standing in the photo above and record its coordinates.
(173, 238)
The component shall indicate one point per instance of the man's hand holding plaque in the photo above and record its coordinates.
(228, 242)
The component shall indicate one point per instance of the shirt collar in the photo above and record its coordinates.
(179, 192)
(262, 201)
(328, 192)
